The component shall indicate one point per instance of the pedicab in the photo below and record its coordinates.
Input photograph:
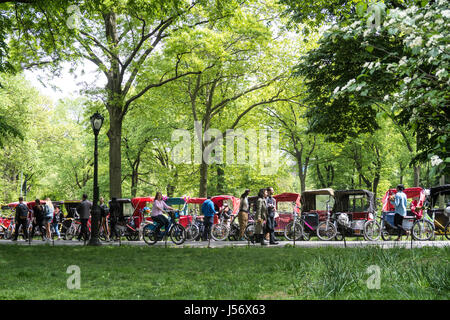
(437, 206)
(315, 216)
(141, 212)
(128, 224)
(221, 230)
(12, 222)
(287, 208)
(414, 222)
(193, 221)
(351, 211)
(6, 218)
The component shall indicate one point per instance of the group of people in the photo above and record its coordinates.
(44, 217)
(264, 216)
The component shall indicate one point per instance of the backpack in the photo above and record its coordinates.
(47, 212)
(38, 214)
(22, 210)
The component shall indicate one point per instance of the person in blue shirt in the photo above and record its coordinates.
(208, 220)
(400, 202)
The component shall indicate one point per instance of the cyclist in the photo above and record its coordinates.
(208, 220)
(157, 212)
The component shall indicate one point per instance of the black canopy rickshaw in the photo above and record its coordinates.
(438, 208)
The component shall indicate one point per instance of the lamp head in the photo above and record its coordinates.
(96, 122)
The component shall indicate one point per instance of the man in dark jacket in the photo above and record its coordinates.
(38, 219)
(84, 210)
(21, 219)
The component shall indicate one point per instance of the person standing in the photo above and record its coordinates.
(58, 217)
(261, 216)
(157, 213)
(114, 216)
(104, 210)
(84, 210)
(38, 219)
(243, 213)
(21, 219)
(208, 212)
(48, 216)
(400, 202)
(271, 208)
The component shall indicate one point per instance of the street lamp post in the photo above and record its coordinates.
(96, 122)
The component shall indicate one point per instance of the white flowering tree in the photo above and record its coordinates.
(394, 61)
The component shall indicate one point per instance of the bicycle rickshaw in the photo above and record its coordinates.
(6, 219)
(437, 206)
(316, 214)
(414, 222)
(288, 208)
(352, 210)
(192, 221)
(221, 230)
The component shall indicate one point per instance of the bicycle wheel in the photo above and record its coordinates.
(192, 232)
(149, 234)
(385, 235)
(234, 233)
(249, 233)
(219, 232)
(326, 231)
(177, 234)
(306, 236)
(422, 230)
(372, 230)
(290, 232)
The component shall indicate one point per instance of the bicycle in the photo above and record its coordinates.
(74, 230)
(175, 230)
(221, 230)
(127, 228)
(294, 229)
(194, 227)
(326, 230)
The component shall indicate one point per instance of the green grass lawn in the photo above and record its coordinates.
(39, 272)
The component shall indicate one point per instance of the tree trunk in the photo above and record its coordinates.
(220, 179)
(416, 176)
(115, 152)
(203, 179)
(135, 177)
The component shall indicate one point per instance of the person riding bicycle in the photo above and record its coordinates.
(159, 206)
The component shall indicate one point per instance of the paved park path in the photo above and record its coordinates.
(221, 244)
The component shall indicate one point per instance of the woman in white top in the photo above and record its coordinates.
(48, 216)
(159, 206)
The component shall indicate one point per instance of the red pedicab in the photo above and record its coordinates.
(6, 222)
(221, 230)
(193, 222)
(420, 228)
(287, 208)
(139, 214)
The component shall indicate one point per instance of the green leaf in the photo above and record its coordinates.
(369, 48)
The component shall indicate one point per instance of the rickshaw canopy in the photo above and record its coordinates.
(435, 192)
(410, 193)
(139, 204)
(308, 198)
(218, 200)
(342, 198)
(289, 197)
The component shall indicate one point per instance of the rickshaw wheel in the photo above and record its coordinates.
(149, 235)
(420, 228)
(447, 230)
(178, 234)
(289, 231)
(249, 232)
(339, 237)
(219, 232)
(369, 233)
(386, 235)
(192, 232)
(326, 231)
